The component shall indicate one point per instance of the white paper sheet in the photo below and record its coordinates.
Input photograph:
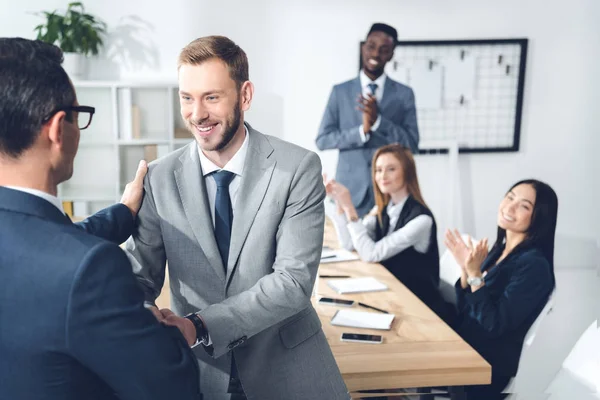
(337, 255)
(427, 85)
(459, 79)
(356, 285)
(397, 71)
(360, 319)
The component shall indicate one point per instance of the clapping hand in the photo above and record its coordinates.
(477, 254)
(468, 256)
(368, 106)
(458, 248)
(338, 192)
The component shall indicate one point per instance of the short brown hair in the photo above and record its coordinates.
(220, 47)
(409, 168)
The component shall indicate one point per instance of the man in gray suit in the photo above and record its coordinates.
(366, 113)
(239, 217)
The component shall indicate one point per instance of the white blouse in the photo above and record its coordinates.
(360, 235)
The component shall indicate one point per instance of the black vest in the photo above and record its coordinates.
(419, 272)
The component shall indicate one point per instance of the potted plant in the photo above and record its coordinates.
(77, 34)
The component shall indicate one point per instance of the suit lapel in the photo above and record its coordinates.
(192, 190)
(355, 91)
(389, 96)
(258, 169)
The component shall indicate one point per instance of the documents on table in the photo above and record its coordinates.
(360, 319)
(329, 255)
(356, 285)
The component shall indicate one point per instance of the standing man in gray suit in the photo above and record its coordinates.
(239, 217)
(366, 113)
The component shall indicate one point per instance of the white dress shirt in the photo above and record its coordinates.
(360, 235)
(235, 165)
(366, 91)
(55, 201)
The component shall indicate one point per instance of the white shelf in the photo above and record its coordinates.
(166, 85)
(86, 193)
(111, 199)
(97, 143)
(143, 142)
(109, 151)
(183, 141)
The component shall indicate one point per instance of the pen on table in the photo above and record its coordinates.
(334, 276)
(372, 308)
(331, 256)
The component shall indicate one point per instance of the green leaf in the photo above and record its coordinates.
(72, 31)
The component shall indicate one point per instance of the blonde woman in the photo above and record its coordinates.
(400, 232)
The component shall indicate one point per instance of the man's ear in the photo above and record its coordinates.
(246, 94)
(55, 128)
(391, 57)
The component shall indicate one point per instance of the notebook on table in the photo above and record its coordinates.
(329, 255)
(361, 319)
(356, 285)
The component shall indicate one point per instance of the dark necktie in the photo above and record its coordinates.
(372, 88)
(223, 213)
(223, 222)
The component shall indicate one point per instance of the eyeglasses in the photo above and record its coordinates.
(82, 114)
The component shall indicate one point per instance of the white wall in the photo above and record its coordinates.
(299, 49)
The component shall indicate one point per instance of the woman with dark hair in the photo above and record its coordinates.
(400, 232)
(500, 294)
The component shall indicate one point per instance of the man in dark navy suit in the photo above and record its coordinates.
(72, 320)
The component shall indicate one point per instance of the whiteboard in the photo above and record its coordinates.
(468, 91)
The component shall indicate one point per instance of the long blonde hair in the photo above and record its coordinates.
(409, 169)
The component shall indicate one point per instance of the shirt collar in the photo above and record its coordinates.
(235, 165)
(393, 210)
(55, 201)
(365, 80)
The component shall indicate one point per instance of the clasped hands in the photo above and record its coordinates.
(368, 106)
(168, 317)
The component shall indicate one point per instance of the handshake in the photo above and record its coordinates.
(168, 317)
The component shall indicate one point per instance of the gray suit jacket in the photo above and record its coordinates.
(340, 130)
(260, 308)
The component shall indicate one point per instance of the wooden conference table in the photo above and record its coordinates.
(420, 350)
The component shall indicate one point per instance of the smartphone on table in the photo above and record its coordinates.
(336, 302)
(361, 338)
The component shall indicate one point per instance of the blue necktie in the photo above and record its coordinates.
(223, 222)
(223, 213)
(372, 88)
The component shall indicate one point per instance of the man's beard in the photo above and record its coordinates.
(231, 126)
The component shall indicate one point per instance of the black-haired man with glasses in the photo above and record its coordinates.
(84, 122)
(73, 324)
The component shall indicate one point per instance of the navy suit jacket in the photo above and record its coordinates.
(72, 321)
(340, 130)
(495, 319)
